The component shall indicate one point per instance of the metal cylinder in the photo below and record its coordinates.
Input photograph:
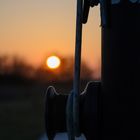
(55, 111)
(121, 72)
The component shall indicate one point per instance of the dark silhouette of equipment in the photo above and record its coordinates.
(55, 112)
(86, 7)
(108, 109)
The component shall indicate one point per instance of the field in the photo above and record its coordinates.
(22, 110)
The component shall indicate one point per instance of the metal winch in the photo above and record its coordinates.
(106, 109)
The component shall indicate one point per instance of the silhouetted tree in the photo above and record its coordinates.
(17, 69)
(64, 72)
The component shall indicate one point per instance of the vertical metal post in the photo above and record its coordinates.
(76, 81)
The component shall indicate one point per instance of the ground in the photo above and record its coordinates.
(22, 110)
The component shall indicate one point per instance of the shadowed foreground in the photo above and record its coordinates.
(22, 110)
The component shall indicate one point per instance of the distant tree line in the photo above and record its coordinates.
(16, 70)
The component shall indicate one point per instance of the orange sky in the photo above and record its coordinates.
(34, 29)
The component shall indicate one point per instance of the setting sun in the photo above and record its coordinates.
(53, 62)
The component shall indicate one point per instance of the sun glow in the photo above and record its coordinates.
(53, 62)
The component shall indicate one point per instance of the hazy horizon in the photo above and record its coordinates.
(36, 29)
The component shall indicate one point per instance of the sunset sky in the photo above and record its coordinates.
(35, 29)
